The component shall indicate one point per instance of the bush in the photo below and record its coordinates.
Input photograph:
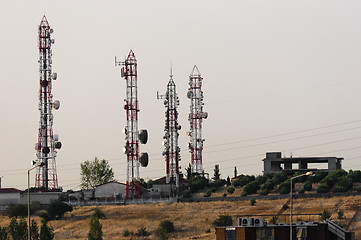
(17, 210)
(285, 207)
(231, 190)
(317, 177)
(208, 193)
(3, 233)
(223, 220)
(323, 188)
(218, 183)
(253, 202)
(251, 188)
(46, 232)
(268, 185)
(340, 214)
(98, 213)
(344, 182)
(264, 192)
(355, 175)
(224, 194)
(244, 180)
(302, 191)
(197, 183)
(166, 226)
(126, 233)
(142, 231)
(95, 229)
(285, 187)
(325, 215)
(279, 178)
(18, 230)
(307, 186)
(57, 209)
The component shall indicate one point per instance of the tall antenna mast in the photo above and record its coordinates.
(171, 148)
(132, 135)
(195, 118)
(46, 177)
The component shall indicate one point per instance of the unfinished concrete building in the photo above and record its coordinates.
(275, 163)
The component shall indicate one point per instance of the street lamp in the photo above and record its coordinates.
(37, 165)
(305, 174)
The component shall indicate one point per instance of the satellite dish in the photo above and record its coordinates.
(52, 41)
(189, 94)
(124, 149)
(51, 30)
(188, 134)
(56, 137)
(57, 145)
(36, 146)
(144, 159)
(205, 115)
(125, 130)
(56, 104)
(46, 150)
(143, 136)
(54, 76)
(122, 72)
(44, 83)
(179, 127)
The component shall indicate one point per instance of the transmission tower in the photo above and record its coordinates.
(195, 118)
(171, 148)
(132, 135)
(46, 177)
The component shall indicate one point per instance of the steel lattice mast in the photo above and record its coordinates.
(46, 177)
(132, 135)
(195, 118)
(171, 148)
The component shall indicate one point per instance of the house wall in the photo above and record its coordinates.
(9, 198)
(39, 197)
(110, 189)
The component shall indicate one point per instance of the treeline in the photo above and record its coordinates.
(278, 183)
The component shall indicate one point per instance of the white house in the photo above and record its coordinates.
(9, 196)
(110, 189)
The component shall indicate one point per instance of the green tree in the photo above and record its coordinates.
(189, 172)
(18, 230)
(46, 232)
(3, 233)
(223, 220)
(95, 229)
(34, 230)
(94, 173)
(229, 183)
(216, 175)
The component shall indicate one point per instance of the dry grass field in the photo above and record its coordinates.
(191, 220)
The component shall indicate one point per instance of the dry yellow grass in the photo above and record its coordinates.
(191, 220)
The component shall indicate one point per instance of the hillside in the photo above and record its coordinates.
(191, 220)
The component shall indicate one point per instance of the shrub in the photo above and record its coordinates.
(285, 207)
(251, 188)
(355, 175)
(307, 186)
(98, 213)
(285, 187)
(231, 190)
(34, 230)
(264, 192)
(46, 232)
(3, 233)
(340, 214)
(279, 178)
(198, 183)
(57, 209)
(167, 226)
(268, 185)
(126, 233)
(253, 202)
(317, 177)
(223, 220)
(344, 182)
(218, 183)
(323, 188)
(142, 231)
(18, 230)
(95, 229)
(17, 210)
(302, 191)
(325, 215)
(224, 194)
(244, 180)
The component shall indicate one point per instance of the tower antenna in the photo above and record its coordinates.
(195, 118)
(46, 177)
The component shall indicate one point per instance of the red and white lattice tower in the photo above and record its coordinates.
(46, 177)
(171, 148)
(195, 118)
(132, 135)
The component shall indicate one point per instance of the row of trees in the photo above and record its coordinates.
(18, 230)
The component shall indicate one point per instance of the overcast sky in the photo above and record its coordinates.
(279, 75)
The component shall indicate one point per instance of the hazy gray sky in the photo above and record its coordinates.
(271, 70)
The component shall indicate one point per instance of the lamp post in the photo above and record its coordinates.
(305, 174)
(37, 165)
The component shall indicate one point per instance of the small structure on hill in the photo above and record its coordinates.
(275, 163)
